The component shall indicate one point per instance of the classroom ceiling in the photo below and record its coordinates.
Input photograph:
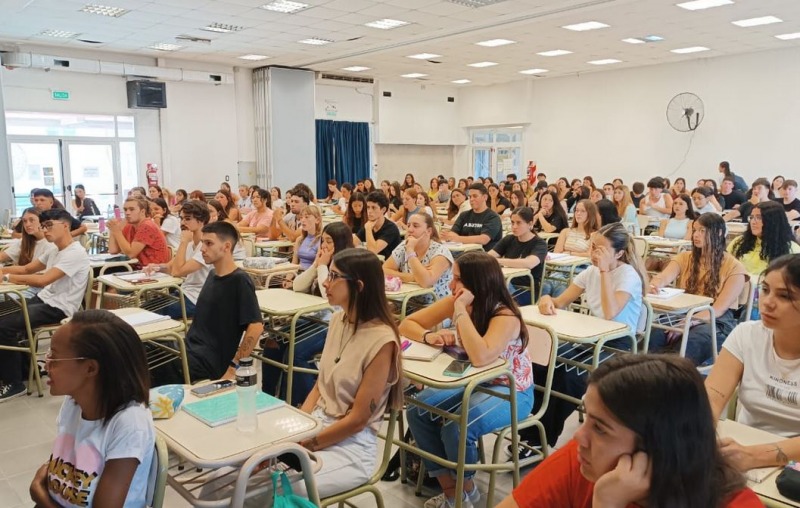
(448, 29)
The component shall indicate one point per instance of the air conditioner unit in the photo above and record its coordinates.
(57, 63)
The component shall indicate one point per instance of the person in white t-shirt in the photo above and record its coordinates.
(169, 224)
(105, 438)
(188, 261)
(762, 358)
(32, 245)
(63, 274)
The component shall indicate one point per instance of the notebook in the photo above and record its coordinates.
(143, 317)
(134, 277)
(413, 350)
(215, 411)
(666, 293)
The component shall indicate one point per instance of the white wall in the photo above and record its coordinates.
(343, 103)
(613, 123)
(423, 161)
(418, 115)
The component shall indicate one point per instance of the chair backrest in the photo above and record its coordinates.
(249, 246)
(542, 337)
(158, 474)
(87, 296)
(644, 221)
(643, 337)
(640, 246)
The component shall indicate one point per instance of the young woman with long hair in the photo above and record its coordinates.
(154, 191)
(679, 224)
(395, 197)
(522, 249)
(169, 224)
(409, 208)
(105, 438)
(767, 237)
(627, 452)
(588, 181)
(434, 188)
(226, 200)
(30, 246)
(489, 325)
(356, 215)
(421, 258)
(309, 220)
(776, 185)
(706, 270)
(369, 186)
(424, 204)
(458, 203)
(702, 198)
(497, 201)
(525, 186)
(518, 200)
(333, 192)
(576, 240)
(83, 206)
(625, 209)
(408, 182)
(678, 187)
(551, 217)
(562, 184)
(758, 358)
(180, 198)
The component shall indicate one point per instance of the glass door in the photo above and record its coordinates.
(507, 161)
(94, 165)
(35, 165)
(482, 162)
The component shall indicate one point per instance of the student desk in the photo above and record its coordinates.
(212, 448)
(458, 248)
(583, 338)
(101, 263)
(565, 265)
(549, 238)
(676, 313)
(431, 375)
(149, 296)
(12, 299)
(5, 242)
(283, 309)
(735, 228)
(272, 247)
(513, 273)
(767, 491)
(263, 278)
(404, 295)
(163, 336)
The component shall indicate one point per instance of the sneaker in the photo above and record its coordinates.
(10, 391)
(524, 452)
(475, 495)
(441, 501)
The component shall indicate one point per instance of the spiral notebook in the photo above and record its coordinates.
(215, 411)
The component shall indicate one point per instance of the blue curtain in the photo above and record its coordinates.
(342, 153)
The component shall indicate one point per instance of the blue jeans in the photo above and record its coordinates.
(304, 353)
(486, 414)
(698, 345)
(173, 310)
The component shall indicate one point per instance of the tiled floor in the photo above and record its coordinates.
(27, 429)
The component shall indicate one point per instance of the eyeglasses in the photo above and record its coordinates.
(755, 218)
(48, 225)
(48, 357)
(334, 276)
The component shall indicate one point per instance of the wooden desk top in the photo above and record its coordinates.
(7, 287)
(681, 303)
(422, 371)
(574, 327)
(287, 302)
(167, 325)
(409, 289)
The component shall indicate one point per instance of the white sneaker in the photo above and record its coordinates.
(441, 501)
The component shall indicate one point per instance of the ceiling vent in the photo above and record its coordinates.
(193, 39)
(475, 3)
(350, 79)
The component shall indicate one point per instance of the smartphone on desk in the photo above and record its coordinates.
(206, 390)
(457, 368)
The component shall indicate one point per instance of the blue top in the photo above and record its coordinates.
(676, 229)
(308, 251)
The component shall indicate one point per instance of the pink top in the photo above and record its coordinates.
(255, 219)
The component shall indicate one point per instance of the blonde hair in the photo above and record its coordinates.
(313, 211)
(626, 200)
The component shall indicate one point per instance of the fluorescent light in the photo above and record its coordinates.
(697, 5)
(653, 38)
(482, 64)
(634, 41)
(693, 49)
(555, 52)
(582, 27)
(104, 10)
(284, 6)
(461, 81)
(534, 71)
(315, 41)
(386, 24)
(424, 56)
(493, 43)
(788, 37)
(355, 68)
(253, 58)
(163, 46)
(764, 20)
(222, 28)
(414, 75)
(60, 34)
(605, 61)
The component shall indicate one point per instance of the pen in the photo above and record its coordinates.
(405, 345)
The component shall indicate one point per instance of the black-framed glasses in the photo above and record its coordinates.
(45, 226)
(334, 276)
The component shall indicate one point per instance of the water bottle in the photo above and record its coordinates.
(246, 390)
(101, 225)
(110, 212)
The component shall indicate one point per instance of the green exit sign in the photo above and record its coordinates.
(60, 95)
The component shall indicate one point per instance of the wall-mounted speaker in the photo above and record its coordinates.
(451, 99)
(147, 94)
(387, 94)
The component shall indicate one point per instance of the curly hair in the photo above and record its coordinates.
(710, 257)
(776, 235)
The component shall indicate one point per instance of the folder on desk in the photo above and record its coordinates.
(215, 411)
(143, 317)
(419, 351)
(666, 293)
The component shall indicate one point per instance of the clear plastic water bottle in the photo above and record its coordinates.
(246, 390)
(110, 212)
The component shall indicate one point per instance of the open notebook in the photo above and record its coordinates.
(666, 293)
(143, 317)
(413, 350)
(214, 411)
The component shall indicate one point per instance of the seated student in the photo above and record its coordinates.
(596, 196)
(626, 209)
(443, 196)
(395, 197)
(791, 205)
(497, 201)
(64, 278)
(776, 185)
(336, 237)
(259, 219)
(286, 224)
(702, 198)
(434, 190)
(517, 199)
(333, 192)
(575, 241)
(458, 203)
(551, 217)
(33, 245)
(137, 236)
(43, 200)
(522, 249)
(275, 194)
(614, 286)
(739, 183)
(678, 188)
(307, 244)
(762, 358)
(356, 214)
(421, 258)
(226, 308)
(83, 206)
(679, 224)
(188, 261)
(409, 208)
(215, 214)
(180, 198)
(424, 204)
(768, 237)
(105, 438)
(656, 203)
(227, 201)
(489, 325)
(706, 270)
(245, 204)
(169, 224)
(340, 205)
(608, 212)
(378, 235)
(479, 225)
(760, 194)
(154, 192)
(731, 197)
(627, 453)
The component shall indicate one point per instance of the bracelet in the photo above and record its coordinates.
(234, 364)
(425, 336)
(410, 256)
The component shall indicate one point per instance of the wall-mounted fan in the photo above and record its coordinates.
(685, 112)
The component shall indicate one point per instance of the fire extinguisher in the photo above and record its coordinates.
(152, 174)
(531, 173)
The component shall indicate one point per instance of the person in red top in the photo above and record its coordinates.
(648, 439)
(137, 236)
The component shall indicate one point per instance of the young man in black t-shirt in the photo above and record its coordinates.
(760, 190)
(733, 198)
(379, 235)
(480, 225)
(791, 205)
